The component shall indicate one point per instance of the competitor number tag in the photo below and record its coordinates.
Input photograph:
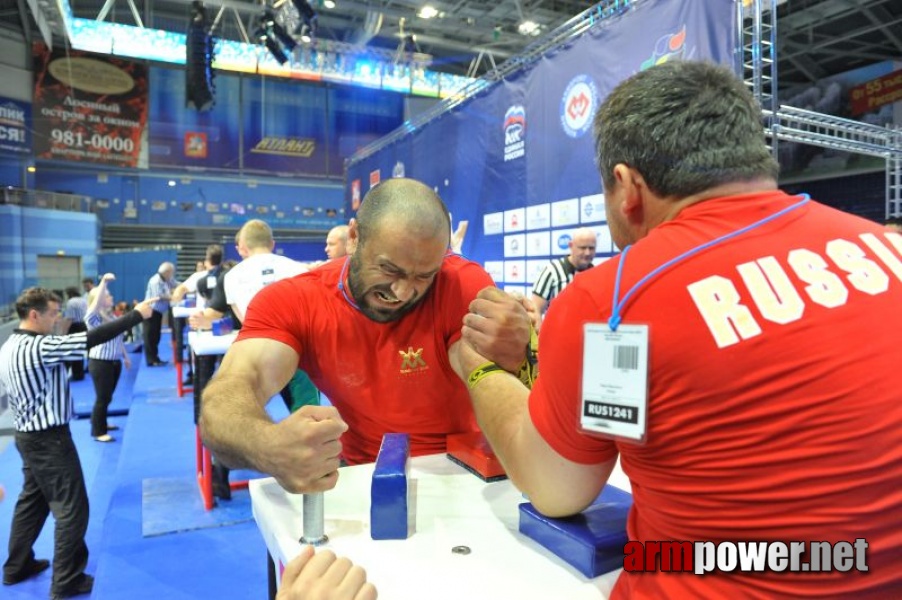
(615, 381)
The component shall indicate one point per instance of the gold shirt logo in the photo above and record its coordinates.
(412, 360)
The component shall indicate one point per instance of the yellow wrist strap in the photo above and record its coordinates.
(481, 372)
(529, 368)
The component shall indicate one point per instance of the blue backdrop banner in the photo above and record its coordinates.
(15, 125)
(517, 161)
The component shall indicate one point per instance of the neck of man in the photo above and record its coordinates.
(671, 207)
(256, 251)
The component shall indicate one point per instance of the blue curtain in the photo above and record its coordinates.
(132, 269)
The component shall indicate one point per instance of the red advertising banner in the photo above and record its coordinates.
(89, 108)
(873, 94)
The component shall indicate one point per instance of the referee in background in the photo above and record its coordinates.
(33, 371)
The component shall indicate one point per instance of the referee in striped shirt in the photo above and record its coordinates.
(561, 271)
(33, 371)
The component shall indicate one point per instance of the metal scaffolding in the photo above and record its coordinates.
(757, 26)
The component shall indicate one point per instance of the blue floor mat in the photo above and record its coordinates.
(174, 505)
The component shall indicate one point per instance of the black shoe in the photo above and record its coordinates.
(221, 487)
(37, 566)
(83, 587)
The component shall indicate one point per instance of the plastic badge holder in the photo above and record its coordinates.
(390, 514)
(189, 301)
(591, 541)
(222, 326)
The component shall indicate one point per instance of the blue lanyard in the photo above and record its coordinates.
(617, 307)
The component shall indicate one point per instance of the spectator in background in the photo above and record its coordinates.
(561, 271)
(259, 268)
(104, 360)
(160, 286)
(87, 285)
(189, 286)
(74, 313)
(33, 372)
(211, 288)
(337, 242)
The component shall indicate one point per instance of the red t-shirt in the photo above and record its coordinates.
(382, 377)
(775, 411)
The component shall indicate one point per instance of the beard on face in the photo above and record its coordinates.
(360, 296)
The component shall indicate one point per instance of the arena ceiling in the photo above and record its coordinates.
(816, 38)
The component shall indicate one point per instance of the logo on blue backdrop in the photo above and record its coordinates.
(514, 132)
(398, 170)
(14, 117)
(563, 241)
(578, 106)
(669, 47)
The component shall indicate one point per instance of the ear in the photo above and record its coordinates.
(352, 230)
(633, 189)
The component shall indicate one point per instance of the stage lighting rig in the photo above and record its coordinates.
(306, 27)
(199, 47)
(274, 37)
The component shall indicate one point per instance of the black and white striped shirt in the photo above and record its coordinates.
(76, 309)
(111, 350)
(554, 278)
(33, 372)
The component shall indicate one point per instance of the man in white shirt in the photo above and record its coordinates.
(259, 268)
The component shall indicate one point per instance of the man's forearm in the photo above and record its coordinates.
(500, 403)
(233, 423)
(554, 485)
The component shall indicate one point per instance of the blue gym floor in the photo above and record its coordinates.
(149, 536)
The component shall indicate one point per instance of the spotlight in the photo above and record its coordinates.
(274, 37)
(283, 36)
(276, 50)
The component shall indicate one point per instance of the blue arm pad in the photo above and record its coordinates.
(390, 509)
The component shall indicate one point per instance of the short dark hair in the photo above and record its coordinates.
(214, 254)
(407, 201)
(685, 126)
(35, 298)
(72, 292)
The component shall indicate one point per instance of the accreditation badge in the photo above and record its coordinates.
(614, 399)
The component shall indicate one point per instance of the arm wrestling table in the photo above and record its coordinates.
(207, 347)
(453, 509)
(180, 315)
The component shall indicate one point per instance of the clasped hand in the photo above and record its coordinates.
(496, 329)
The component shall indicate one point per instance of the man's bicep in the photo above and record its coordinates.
(264, 363)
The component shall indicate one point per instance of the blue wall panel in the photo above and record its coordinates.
(36, 231)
